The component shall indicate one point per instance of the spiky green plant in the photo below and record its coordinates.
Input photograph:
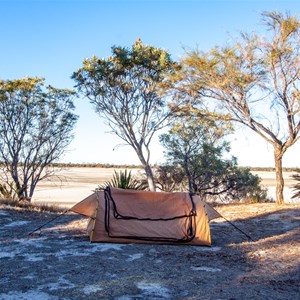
(124, 180)
(296, 187)
(8, 191)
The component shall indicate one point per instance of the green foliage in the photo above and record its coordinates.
(130, 77)
(124, 180)
(245, 186)
(141, 63)
(170, 178)
(195, 162)
(231, 184)
(296, 186)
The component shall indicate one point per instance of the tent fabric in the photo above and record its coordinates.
(130, 216)
(87, 206)
(210, 212)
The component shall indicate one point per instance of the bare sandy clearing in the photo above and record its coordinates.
(73, 185)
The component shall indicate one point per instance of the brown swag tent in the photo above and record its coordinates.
(130, 216)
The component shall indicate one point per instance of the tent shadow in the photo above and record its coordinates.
(54, 225)
(260, 226)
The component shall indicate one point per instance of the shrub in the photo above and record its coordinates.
(230, 184)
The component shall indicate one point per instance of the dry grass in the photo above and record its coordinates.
(29, 206)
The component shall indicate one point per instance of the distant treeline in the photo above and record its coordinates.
(269, 169)
(96, 165)
(116, 166)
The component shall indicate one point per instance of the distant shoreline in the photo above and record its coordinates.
(124, 166)
(133, 166)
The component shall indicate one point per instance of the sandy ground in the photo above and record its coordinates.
(59, 262)
(74, 184)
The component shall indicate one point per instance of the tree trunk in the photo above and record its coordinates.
(150, 178)
(188, 174)
(19, 189)
(147, 169)
(279, 176)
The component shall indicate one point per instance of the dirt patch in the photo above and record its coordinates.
(60, 263)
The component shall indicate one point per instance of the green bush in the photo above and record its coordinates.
(231, 184)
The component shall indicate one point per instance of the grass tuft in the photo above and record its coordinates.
(28, 206)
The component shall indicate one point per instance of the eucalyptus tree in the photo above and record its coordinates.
(36, 125)
(192, 138)
(196, 146)
(124, 90)
(254, 82)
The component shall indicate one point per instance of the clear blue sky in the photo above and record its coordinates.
(50, 39)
